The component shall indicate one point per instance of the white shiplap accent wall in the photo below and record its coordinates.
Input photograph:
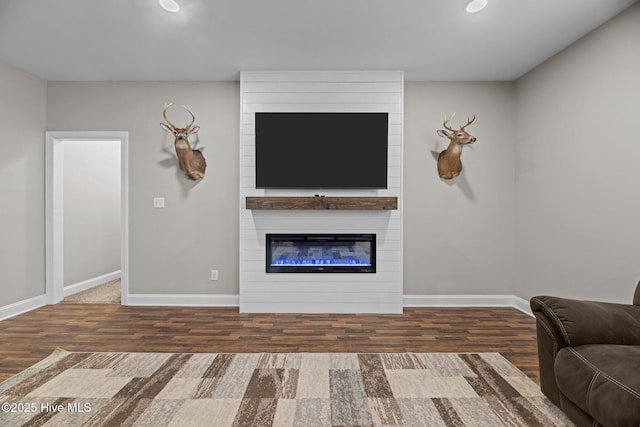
(339, 91)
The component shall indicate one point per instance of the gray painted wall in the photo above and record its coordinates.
(459, 234)
(578, 180)
(172, 250)
(92, 226)
(22, 120)
(461, 231)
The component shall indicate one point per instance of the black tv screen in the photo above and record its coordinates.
(321, 150)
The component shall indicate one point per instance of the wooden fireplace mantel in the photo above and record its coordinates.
(323, 203)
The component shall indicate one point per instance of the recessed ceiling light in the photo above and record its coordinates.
(476, 6)
(169, 5)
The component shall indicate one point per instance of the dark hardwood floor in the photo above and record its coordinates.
(30, 337)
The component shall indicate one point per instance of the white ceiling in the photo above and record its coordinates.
(434, 40)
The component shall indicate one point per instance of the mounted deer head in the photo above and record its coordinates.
(192, 162)
(449, 163)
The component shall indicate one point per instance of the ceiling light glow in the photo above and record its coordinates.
(169, 5)
(475, 6)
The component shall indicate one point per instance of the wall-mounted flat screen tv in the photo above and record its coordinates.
(321, 150)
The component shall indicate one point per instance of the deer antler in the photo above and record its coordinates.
(447, 121)
(164, 114)
(193, 118)
(468, 122)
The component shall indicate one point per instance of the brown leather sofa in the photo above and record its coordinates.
(589, 355)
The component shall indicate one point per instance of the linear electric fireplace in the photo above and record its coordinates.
(321, 253)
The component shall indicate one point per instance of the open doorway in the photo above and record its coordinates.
(86, 212)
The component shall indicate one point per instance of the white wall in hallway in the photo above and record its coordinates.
(92, 223)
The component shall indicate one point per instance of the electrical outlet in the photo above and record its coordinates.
(158, 202)
(214, 274)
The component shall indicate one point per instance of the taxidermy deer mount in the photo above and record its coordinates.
(449, 163)
(192, 162)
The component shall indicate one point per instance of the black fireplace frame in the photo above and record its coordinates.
(322, 268)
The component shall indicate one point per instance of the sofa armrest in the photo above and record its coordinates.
(579, 322)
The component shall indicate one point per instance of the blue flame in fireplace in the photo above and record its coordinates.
(305, 261)
(318, 253)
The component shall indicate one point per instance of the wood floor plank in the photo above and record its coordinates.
(30, 337)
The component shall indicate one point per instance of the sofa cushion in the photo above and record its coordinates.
(603, 380)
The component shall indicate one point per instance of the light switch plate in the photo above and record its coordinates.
(158, 202)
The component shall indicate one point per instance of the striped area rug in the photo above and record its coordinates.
(275, 389)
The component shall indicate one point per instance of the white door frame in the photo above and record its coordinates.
(54, 246)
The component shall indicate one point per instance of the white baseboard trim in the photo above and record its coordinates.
(22, 306)
(320, 308)
(467, 301)
(522, 305)
(408, 301)
(207, 300)
(91, 283)
(184, 300)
